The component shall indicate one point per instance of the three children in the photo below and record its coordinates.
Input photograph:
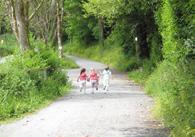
(94, 79)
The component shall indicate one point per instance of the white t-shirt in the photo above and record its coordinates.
(106, 74)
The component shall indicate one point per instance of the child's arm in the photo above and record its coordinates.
(110, 73)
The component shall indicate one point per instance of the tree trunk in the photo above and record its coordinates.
(12, 14)
(59, 22)
(143, 49)
(101, 31)
(137, 49)
(52, 19)
(22, 24)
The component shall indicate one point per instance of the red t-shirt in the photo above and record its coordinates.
(83, 76)
(94, 76)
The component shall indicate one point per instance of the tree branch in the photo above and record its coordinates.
(38, 7)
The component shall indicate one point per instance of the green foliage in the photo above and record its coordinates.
(142, 72)
(77, 26)
(103, 8)
(173, 87)
(168, 29)
(8, 44)
(172, 83)
(5, 26)
(98, 53)
(30, 79)
(155, 48)
(110, 54)
(164, 29)
(68, 63)
(184, 17)
(165, 32)
(15, 87)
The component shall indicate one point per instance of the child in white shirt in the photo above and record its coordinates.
(106, 78)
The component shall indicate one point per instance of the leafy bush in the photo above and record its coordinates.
(15, 87)
(31, 79)
(172, 84)
(141, 74)
(173, 87)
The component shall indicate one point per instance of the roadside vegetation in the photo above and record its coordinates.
(33, 72)
(31, 79)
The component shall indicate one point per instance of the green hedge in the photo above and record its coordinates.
(173, 89)
(172, 84)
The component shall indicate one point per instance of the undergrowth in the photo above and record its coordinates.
(29, 80)
(8, 44)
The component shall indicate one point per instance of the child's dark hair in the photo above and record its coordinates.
(107, 68)
(82, 70)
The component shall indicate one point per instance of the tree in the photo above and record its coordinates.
(78, 27)
(136, 16)
(4, 20)
(19, 18)
(102, 9)
(60, 15)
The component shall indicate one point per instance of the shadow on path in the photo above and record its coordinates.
(145, 132)
(99, 96)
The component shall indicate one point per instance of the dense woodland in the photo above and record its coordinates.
(151, 40)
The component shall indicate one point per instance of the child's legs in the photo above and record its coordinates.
(83, 85)
(107, 84)
(93, 84)
(104, 83)
(96, 84)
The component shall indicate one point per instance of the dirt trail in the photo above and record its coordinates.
(123, 112)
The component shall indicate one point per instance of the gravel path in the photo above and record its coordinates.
(123, 112)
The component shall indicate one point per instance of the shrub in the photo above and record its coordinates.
(173, 88)
(16, 87)
(141, 74)
(29, 80)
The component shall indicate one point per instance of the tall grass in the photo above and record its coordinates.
(8, 44)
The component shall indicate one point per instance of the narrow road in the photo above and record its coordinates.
(123, 112)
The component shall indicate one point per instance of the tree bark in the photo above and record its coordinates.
(12, 13)
(22, 24)
(35, 11)
(59, 22)
(144, 49)
(53, 22)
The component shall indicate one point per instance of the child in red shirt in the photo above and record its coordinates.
(94, 79)
(82, 79)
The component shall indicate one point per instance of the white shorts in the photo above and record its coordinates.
(82, 83)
